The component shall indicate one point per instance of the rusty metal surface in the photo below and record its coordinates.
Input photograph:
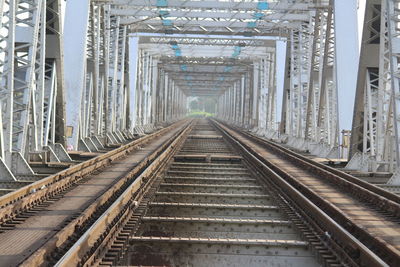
(31, 194)
(212, 206)
(203, 211)
(203, 224)
(365, 214)
(47, 227)
(87, 248)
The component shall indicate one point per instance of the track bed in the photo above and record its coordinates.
(30, 230)
(210, 210)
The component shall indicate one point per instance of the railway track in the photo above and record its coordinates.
(42, 219)
(217, 196)
(365, 211)
(206, 205)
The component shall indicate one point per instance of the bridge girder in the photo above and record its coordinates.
(131, 64)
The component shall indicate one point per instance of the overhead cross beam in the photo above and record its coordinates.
(132, 63)
(212, 17)
(204, 61)
(207, 4)
(214, 28)
(198, 40)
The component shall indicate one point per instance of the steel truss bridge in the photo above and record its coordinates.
(286, 70)
(101, 164)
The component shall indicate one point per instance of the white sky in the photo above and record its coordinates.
(361, 11)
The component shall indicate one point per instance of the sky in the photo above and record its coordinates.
(361, 11)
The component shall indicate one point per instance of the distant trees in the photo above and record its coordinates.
(194, 105)
(203, 104)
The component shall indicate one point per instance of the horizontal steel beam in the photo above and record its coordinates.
(205, 79)
(276, 32)
(232, 16)
(166, 62)
(194, 64)
(208, 84)
(207, 25)
(231, 5)
(206, 41)
(204, 73)
(203, 86)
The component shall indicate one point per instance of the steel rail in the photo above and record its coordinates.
(387, 201)
(51, 249)
(33, 194)
(382, 200)
(91, 244)
(111, 229)
(90, 248)
(294, 190)
(308, 162)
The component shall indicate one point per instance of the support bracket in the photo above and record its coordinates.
(5, 173)
(358, 162)
(19, 166)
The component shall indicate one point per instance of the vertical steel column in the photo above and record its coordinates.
(242, 97)
(123, 86)
(159, 95)
(139, 88)
(290, 127)
(283, 127)
(271, 98)
(310, 128)
(247, 100)
(29, 16)
(392, 16)
(235, 103)
(226, 105)
(133, 79)
(169, 100)
(324, 118)
(165, 99)
(22, 56)
(264, 94)
(7, 81)
(154, 91)
(255, 90)
(36, 141)
(372, 146)
(231, 104)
